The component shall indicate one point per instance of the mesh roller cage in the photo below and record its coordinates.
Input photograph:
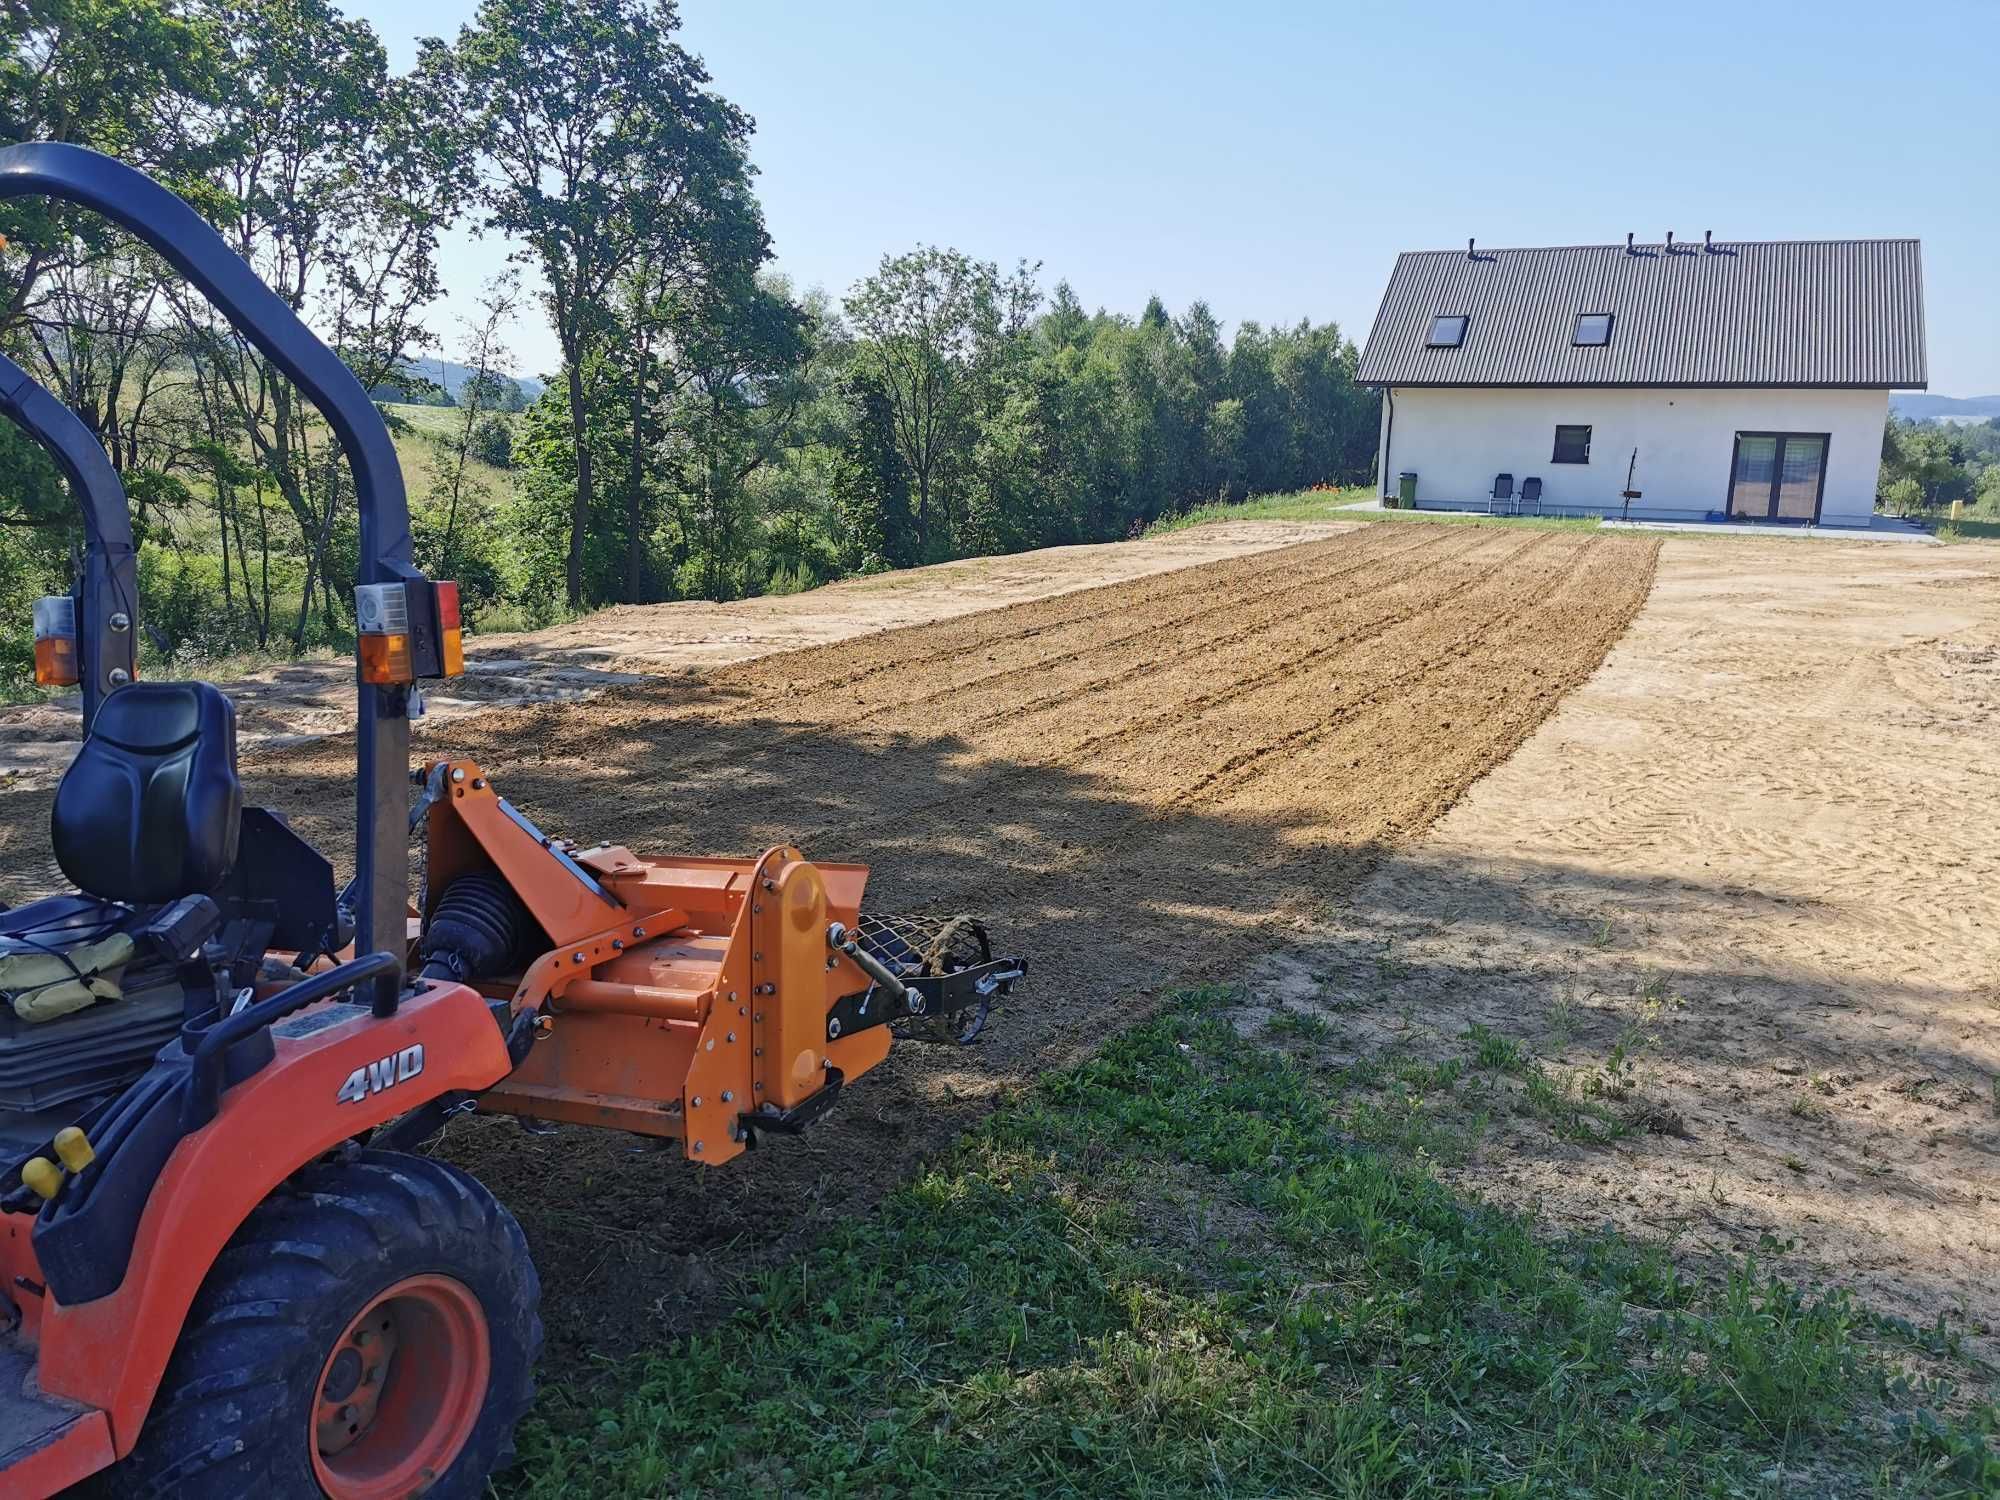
(929, 945)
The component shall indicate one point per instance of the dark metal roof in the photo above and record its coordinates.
(1765, 313)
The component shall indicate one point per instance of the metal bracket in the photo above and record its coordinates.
(562, 855)
(793, 1121)
(923, 995)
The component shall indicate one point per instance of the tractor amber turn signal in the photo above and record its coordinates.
(55, 642)
(451, 636)
(55, 662)
(386, 659)
(382, 620)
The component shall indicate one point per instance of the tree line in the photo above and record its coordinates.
(711, 430)
(1927, 465)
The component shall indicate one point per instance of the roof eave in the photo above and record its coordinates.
(1645, 385)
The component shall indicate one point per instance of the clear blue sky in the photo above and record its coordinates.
(1273, 157)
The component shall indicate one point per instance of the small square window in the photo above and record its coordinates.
(1572, 446)
(1447, 333)
(1592, 328)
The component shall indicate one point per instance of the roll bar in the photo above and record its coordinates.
(108, 593)
(132, 199)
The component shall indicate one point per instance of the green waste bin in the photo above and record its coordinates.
(1406, 490)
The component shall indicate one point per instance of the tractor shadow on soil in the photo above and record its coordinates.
(1839, 1126)
(1111, 903)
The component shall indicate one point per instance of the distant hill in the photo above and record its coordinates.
(452, 376)
(1917, 405)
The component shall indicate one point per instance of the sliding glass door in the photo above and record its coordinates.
(1801, 465)
(1777, 476)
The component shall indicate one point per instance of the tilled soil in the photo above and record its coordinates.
(1136, 786)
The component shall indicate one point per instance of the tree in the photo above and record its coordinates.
(458, 502)
(334, 183)
(870, 485)
(928, 318)
(601, 147)
(115, 75)
(1923, 464)
(744, 346)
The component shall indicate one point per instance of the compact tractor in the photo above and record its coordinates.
(224, 1270)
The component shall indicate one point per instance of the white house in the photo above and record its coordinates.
(1676, 381)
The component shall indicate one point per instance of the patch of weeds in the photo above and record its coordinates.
(1615, 1075)
(1657, 1119)
(1957, 1456)
(1306, 1024)
(1936, 1338)
(1618, 1076)
(1807, 1107)
(1771, 1357)
(1794, 1162)
(1493, 1051)
(1568, 1108)
(1562, 1020)
(1417, 1077)
(1601, 933)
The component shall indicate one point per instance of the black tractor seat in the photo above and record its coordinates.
(151, 808)
(147, 823)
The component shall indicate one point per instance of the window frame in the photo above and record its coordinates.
(1556, 454)
(1464, 322)
(1576, 339)
(1770, 516)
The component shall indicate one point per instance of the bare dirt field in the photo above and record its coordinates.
(616, 648)
(1761, 849)
(1137, 785)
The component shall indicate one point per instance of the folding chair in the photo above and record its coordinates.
(1531, 494)
(1501, 500)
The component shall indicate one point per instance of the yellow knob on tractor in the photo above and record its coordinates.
(73, 1146)
(43, 1175)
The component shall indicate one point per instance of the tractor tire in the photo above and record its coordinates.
(370, 1331)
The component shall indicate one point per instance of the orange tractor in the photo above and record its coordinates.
(221, 1270)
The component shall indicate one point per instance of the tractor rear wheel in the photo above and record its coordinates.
(370, 1332)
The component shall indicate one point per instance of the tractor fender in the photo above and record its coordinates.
(338, 1071)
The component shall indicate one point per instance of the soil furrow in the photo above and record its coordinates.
(1089, 606)
(1510, 617)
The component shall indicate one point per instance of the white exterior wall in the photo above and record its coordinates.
(1457, 440)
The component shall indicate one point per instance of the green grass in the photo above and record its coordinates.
(1969, 529)
(1305, 505)
(1327, 505)
(1183, 1268)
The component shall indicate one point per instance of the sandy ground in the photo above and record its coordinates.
(1136, 785)
(616, 648)
(1759, 846)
